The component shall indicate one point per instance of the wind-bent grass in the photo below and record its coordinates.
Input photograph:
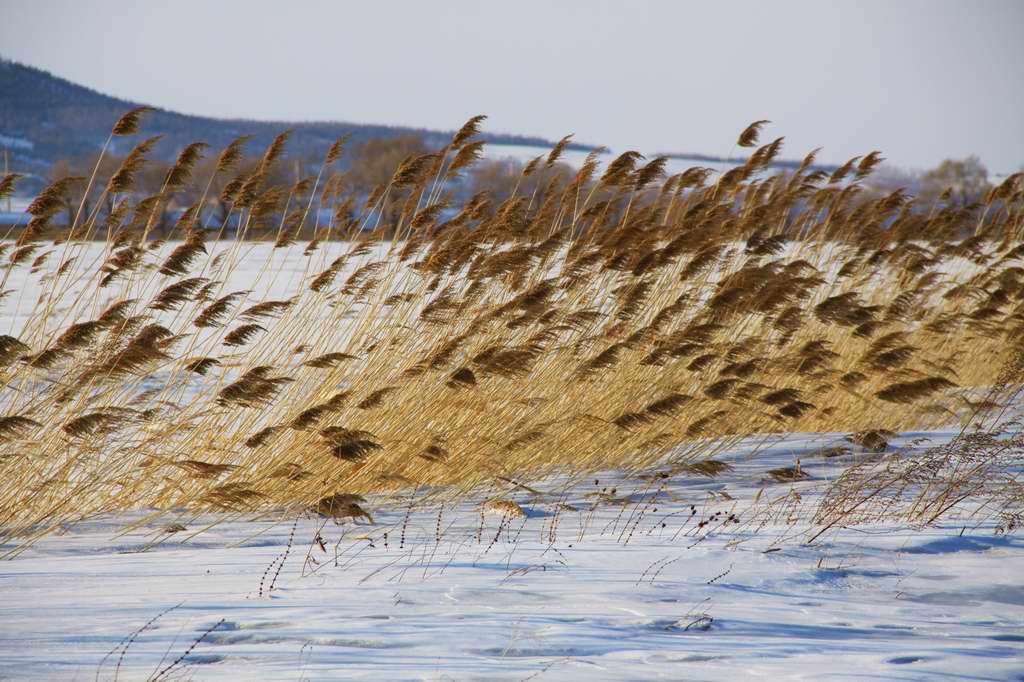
(606, 322)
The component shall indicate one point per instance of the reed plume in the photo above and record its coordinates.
(421, 335)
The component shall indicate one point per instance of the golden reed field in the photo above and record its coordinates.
(616, 318)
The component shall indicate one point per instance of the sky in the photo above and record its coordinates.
(920, 80)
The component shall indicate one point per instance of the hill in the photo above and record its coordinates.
(44, 118)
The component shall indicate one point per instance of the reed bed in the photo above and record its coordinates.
(614, 319)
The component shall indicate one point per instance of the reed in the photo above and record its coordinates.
(612, 319)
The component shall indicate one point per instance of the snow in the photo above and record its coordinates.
(626, 585)
(260, 269)
(575, 157)
(16, 142)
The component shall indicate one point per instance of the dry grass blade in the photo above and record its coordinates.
(17, 426)
(328, 360)
(201, 469)
(461, 378)
(707, 467)
(266, 309)
(7, 183)
(232, 153)
(874, 440)
(124, 179)
(668, 406)
(261, 437)
(213, 315)
(912, 391)
(336, 149)
(181, 259)
(201, 366)
(178, 293)
(255, 388)
(556, 151)
(468, 131)
(350, 446)
(129, 122)
(340, 506)
(242, 335)
(750, 134)
(788, 474)
(376, 398)
(95, 423)
(11, 349)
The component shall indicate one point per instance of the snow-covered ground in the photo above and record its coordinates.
(574, 157)
(611, 577)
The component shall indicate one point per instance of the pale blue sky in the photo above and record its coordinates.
(919, 79)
